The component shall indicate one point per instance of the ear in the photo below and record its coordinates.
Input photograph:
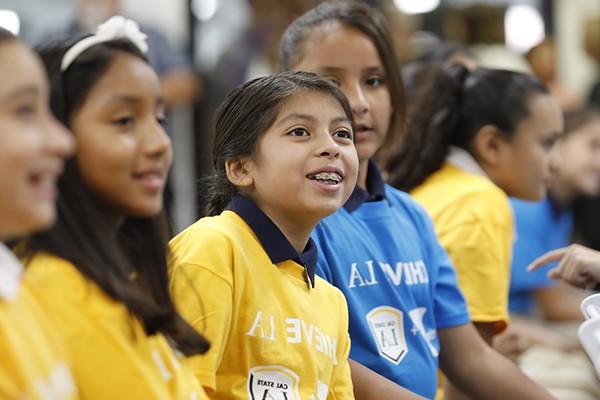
(239, 172)
(489, 145)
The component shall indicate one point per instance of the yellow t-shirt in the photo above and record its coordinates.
(111, 355)
(272, 335)
(33, 358)
(474, 223)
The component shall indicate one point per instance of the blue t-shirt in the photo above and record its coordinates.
(541, 227)
(382, 252)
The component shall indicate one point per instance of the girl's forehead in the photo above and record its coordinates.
(338, 45)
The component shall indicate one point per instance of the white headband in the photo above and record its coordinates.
(116, 27)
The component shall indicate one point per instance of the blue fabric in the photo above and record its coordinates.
(540, 227)
(375, 189)
(399, 283)
(274, 242)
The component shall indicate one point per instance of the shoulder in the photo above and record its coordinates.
(223, 232)
(486, 201)
(212, 244)
(398, 197)
(72, 301)
(411, 209)
(51, 275)
(464, 196)
(331, 295)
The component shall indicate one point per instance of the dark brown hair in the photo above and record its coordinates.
(370, 22)
(451, 110)
(246, 113)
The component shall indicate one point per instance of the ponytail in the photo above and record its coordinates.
(430, 129)
(450, 110)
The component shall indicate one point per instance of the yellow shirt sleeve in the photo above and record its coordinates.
(201, 285)
(480, 252)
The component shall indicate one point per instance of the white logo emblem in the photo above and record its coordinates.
(273, 382)
(416, 317)
(387, 327)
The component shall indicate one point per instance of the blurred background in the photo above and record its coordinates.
(203, 48)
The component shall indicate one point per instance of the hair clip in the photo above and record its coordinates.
(117, 27)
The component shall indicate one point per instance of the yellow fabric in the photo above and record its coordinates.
(111, 355)
(474, 223)
(268, 330)
(33, 358)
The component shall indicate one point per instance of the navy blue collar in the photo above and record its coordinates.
(276, 245)
(375, 189)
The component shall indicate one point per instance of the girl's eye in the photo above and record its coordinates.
(298, 132)
(375, 81)
(343, 133)
(547, 144)
(26, 111)
(162, 120)
(124, 122)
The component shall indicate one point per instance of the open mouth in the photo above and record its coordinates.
(44, 183)
(326, 178)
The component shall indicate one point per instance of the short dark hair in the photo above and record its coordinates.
(369, 21)
(246, 113)
(450, 111)
(82, 235)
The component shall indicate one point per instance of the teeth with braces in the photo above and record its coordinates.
(328, 176)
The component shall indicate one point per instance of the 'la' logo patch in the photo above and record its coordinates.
(273, 382)
(387, 327)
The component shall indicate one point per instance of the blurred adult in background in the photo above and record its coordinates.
(591, 42)
(543, 62)
(179, 82)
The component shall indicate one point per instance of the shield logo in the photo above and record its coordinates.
(273, 382)
(387, 327)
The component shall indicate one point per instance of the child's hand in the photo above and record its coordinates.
(512, 343)
(578, 265)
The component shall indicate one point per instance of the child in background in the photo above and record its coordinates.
(544, 314)
(34, 360)
(283, 158)
(475, 138)
(407, 315)
(576, 173)
(101, 271)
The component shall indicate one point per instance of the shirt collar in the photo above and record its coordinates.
(274, 242)
(10, 273)
(375, 189)
(464, 160)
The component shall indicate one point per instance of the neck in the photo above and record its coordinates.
(562, 192)
(363, 168)
(296, 229)
(113, 218)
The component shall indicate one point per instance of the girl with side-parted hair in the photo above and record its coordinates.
(101, 270)
(283, 159)
(33, 146)
(407, 315)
